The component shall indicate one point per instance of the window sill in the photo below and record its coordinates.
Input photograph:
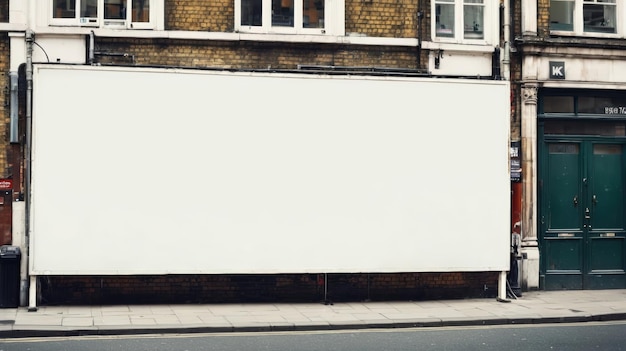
(473, 46)
(586, 34)
(469, 45)
(278, 30)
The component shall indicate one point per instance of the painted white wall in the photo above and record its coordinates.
(154, 171)
(583, 71)
(461, 63)
(18, 50)
(18, 233)
(60, 49)
(18, 11)
(529, 17)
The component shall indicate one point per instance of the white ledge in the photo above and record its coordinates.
(430, 45)
(258, 37)
(12, 27)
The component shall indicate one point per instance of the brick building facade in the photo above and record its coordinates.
(386, 37)
(569, 55)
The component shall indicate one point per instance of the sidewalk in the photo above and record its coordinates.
(532, 307)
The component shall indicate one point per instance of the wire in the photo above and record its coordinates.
(510, 290)
(44, 51)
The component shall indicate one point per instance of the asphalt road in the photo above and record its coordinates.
(552, 337)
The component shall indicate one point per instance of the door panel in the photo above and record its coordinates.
(564, 263)
(605, 243)
(564, 179)
(565, 254)
(606, 187)
(606, 254)
(563, 244)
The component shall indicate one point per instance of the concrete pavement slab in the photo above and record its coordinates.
(534, 307)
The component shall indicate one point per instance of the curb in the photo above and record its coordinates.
(426, 323)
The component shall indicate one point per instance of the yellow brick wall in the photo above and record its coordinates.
(378, 18)
(196, 15)
(252, 55)
(543, 18)
(382, 18)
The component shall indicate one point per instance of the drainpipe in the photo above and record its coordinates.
(506, 75)
(14, 114)
(91, 47)
(506, 55)
(30, 284)
(420, 15)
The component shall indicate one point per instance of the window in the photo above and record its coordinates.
(104, 13)
(459, 20)
(289, 16)
(584, 17)
(602, 103)
(558, 104)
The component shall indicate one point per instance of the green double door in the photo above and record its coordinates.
(581, 213)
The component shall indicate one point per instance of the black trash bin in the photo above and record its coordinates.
(9, 276)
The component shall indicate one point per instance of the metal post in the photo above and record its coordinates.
(30, 39)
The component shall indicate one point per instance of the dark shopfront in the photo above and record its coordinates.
(581, 172)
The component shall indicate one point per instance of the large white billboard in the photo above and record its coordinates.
(159, 171)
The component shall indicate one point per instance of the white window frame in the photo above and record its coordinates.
(490, 25)
(334, 17)
(156, 17)
(578, 27)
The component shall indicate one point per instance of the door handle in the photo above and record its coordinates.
(594, 199)
(575, 200)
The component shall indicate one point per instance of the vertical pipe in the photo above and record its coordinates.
(91, 47)
(420, 15)
(506, 27)
(30, 39)
(326, 288)
(14, 108)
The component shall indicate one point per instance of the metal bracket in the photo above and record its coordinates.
(438, 58)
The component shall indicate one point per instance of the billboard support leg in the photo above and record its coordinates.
(32, 294)
(502, 287)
